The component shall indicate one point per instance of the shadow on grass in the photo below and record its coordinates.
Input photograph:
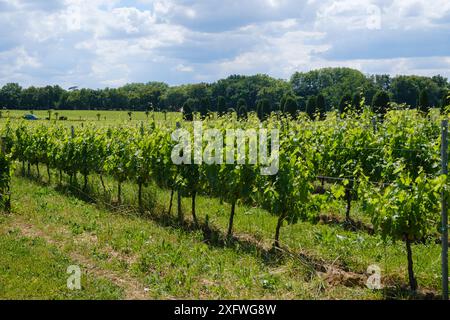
(154, 211)
(404, 293)
(75, 191)
(215, 237)
(349, 225)
(212, 235)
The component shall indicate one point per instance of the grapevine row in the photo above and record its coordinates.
(392, 168)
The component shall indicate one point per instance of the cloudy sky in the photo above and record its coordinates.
(99, 43)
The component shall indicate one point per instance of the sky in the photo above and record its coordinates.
(108, 43)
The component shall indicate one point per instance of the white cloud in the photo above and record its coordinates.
(20, 62)
(183, 68)
(278, 56)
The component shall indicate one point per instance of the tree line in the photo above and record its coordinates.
(314, 91)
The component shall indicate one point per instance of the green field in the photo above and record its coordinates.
(77, 116)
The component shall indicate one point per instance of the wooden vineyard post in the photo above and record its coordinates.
(374, 124)
(5, 194)
(179, 207)
(444, 210)
(72, 135)
(2, 145)
(2, 150)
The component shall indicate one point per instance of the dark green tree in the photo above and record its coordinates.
(311, 107)
(221, 105)
(321, 106)
(10, 96)
(263, 108)
(242, 108)
(424, 102)
(345, 104)
(380, 103)
(330, 82)
(356, 103)
(205, 106)
(407, 89)
(188, 113)
(290, 106)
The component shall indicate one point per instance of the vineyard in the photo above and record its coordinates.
(388, 168)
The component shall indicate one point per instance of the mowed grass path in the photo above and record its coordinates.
(123, 256)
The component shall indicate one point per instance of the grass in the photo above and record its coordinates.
(148, 259)
(351, 250)
(80, 116)
(30, 268)
(167, 260)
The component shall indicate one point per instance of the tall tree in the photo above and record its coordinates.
(290, 106)
(321, 108)
(263, 108)
(188, 112)
(10, 96)
(356, 103)
(424, 103)
(242, 108)
(205, 106)
(345, 103)
(330, 82)
(405, 90)
(311, 107)
(380, 103)
(221, 105)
